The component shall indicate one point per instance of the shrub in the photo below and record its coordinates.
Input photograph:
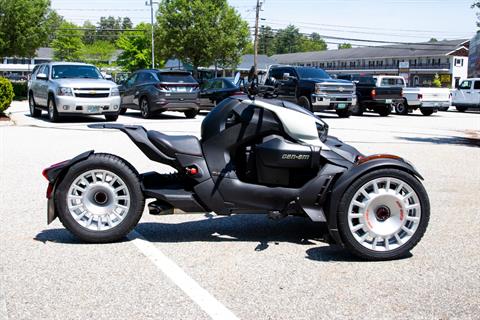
(20, 90)
(6, 94)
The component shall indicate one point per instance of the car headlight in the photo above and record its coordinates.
(318, 88)
(64, 91)
(114, 92)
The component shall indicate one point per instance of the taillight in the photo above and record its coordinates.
(420, 96)
(161, 86)
(238, 93)
(49, 191)
(374, 93)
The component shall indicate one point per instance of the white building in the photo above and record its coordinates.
(24, 66)
(418, 62)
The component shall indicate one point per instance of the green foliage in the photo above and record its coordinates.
(344, 46)
(89, 35)
(249, 49)
(136, 46)
(20, 89)
(98, 53)
(290, 40)
(110, 22)
(436, 81)
(476, 4)
(67, 45)
(6, 94)
(201, 32)
(433, 40)
(25, 26)
(266, 41)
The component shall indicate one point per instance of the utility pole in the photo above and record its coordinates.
(255, 43)
(151, 3)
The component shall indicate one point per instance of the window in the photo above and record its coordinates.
(458, 62)
(387, 82)
(130, 81)
(476, 86)
(75, 71)
(466, 85)
(180, 77)
(145, 77)
(47, 70)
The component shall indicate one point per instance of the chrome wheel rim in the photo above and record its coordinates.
(384, 214)
(401, 108)
(144, 108)
(98, 200)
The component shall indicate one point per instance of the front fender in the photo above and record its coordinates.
(355, 172)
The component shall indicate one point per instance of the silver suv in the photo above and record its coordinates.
(64, 88)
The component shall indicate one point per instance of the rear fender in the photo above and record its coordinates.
(355, 172)
(54, 174)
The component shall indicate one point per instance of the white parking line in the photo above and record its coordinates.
(200, 296)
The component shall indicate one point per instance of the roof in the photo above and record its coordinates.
(44, 53)
(263, 62)
(440, 48)
(56, 63)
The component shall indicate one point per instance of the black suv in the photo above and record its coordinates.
(154, 91)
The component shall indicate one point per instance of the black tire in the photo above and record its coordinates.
(122, 111)
(122, 169)
(190, 114)
(111, 117)
(343, 113)
(426, 112)
(357, 110)
(443, 109)
(145, 108)
(385, 111)
(342, 214)
(53, 115)
(305, 102)
(401, 108)
(34, 111)
(461, 109)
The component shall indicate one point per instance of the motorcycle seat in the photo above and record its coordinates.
(170, 145)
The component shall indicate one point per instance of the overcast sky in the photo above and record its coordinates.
(391, 20)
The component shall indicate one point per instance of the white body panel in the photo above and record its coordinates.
(468, 94)
(429, 97)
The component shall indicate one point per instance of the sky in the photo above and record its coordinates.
(389, 20)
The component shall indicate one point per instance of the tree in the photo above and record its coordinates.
(105, 26)
(433, 40)
(288, 40)
(136, 48)
(476, 4)
(98, 53)
(436, 81)
(344, 46)
(266, 41)
(67, 45)
(89, 35)
(313, 43)
(25, 26)
(200, 32)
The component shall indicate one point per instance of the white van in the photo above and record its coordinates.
(467, 95)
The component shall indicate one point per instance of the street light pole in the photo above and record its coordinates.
(255, 43)
(147, 3)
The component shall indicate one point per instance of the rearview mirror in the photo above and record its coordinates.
(237, 78)
(286, 76)
(42, 76)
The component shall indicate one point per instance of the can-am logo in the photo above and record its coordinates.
(289, 156)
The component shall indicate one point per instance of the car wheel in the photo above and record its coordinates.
(401, 108)
(305, 102)
(53, 115)
(145, 108)
(34, 112)
(461, 109)
(385, 111)
(190, 114)
(426, 112)
(383, 214)
(357, 110)
(111, 117)
(100, 199)
(343, 113)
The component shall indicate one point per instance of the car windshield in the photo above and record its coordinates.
(176, 77)
(75, 71)
(312, 73)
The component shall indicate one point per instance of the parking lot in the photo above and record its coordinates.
(243, 266)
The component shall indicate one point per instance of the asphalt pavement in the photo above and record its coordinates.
(243, 266)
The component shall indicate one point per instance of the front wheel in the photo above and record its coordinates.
(343, 113)
(383, 214)
(426, 112)
(100, 199)
(357, 110)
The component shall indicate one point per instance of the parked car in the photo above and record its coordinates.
(312, 89)
(73, 89)
(375, 93)
(154, 91)
(467, 95)
(215, 90)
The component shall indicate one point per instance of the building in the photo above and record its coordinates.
(418, 63)
(24, 66)
(474, 57)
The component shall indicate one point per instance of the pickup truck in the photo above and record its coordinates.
(311, 88)
(467, 95)
(375, 93)
(428, 100)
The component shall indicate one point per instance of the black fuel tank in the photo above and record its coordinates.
(277, 152)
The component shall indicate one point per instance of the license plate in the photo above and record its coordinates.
(388, 101)
(341, 106)
(93, 109)
(181, 89)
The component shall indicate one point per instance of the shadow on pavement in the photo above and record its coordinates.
(448, 140)
(138, 115)
(70, 119)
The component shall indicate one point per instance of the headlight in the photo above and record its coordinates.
(318, 88)
(114, 92)
(63, 91)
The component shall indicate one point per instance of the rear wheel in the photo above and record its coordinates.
(305, 102)
(343, 113)
(190, 114)
(383, 214)
(34, 112)
(357, 110)
(53, 115)
(385, 111)
(145, 108)
(401, 108)
(100, 199)
(461, 109)
(426, 112)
